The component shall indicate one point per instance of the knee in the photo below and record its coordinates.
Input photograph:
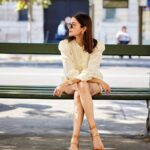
(94, 89)
(83, 86)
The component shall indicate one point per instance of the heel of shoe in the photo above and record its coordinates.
(98, 148)
(93, 135)
(74, 141)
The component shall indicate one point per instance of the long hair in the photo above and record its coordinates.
(88, 41)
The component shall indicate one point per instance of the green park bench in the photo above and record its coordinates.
(46, 92)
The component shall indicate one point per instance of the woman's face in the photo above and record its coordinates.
(75, 29)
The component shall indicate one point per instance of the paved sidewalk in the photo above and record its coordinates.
(47, 125)
(53, 142)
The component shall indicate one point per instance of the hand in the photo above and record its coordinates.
(59, 90)
(105, 87)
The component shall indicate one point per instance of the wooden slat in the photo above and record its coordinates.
(16, 87)
(134, 50)
(26, 48)
(40, 48)
(46, 92)
(50, 92)
(46, 96)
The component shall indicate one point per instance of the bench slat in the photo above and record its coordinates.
(51, 88)
(98, 97)
(51, 91)
(46, 92)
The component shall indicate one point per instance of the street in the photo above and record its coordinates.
(115, 76)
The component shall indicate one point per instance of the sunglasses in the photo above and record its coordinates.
(69, 25)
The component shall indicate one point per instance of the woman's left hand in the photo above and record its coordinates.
(105, 87)
(59, 90)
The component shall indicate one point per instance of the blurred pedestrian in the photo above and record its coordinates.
(67, 21)
(123, 37)
(61, 31)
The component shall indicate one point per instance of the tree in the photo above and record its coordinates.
(27, 4)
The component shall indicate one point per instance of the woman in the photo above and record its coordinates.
(81, 56)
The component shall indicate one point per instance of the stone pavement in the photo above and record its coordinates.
(47, 125)
(53, 142)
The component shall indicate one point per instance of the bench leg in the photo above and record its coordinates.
(148, 117)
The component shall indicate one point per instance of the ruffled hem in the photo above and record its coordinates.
(85, 75)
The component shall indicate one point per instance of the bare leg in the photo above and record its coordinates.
(78, 114)
(78, 119)
(85, 90)
(87, 103)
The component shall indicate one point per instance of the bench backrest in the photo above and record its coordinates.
(42, 48)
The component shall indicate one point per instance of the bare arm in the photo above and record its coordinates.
(94, 80)
(103, 84)
(117, 40)
(69, 82)
(59, 89)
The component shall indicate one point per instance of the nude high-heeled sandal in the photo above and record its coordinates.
(74, 142)
(94, 136)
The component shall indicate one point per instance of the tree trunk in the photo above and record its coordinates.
(29, 31)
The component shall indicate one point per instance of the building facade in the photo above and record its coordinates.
(14, 25)
(106, 22)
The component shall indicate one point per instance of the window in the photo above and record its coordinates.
(23, 15)
(110, 14)
(145, 25)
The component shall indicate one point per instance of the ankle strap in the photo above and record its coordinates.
(96, 134)
(74, 139)
(93, 127)
(75, 136)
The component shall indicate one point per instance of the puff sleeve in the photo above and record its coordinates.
(69, 68)
(92, 71)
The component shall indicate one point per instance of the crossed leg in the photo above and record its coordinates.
(86, 90)
(78, 115)
(77, 121)
(83, 103)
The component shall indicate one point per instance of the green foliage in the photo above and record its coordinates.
(21, 4)
(3, 1)
(44, 3)
(24, 4)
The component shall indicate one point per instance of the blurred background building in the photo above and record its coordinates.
(106, 21)
(14, 26)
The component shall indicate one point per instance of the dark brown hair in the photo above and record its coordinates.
(88, 41)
